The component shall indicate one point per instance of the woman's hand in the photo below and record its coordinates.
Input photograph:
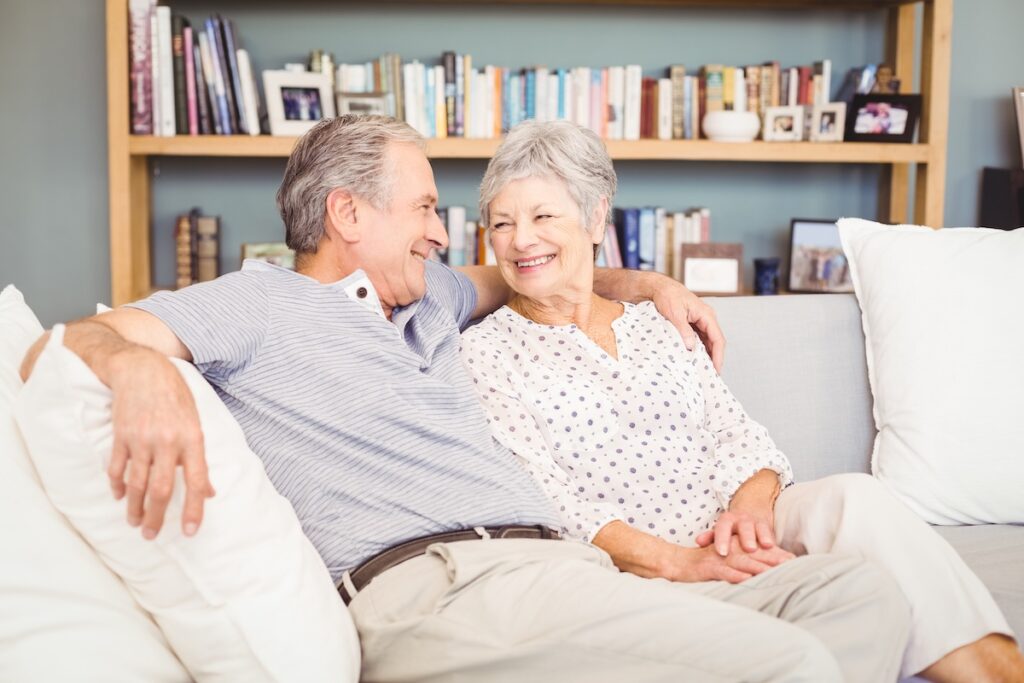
(751, 530)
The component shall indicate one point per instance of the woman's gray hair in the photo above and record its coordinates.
(345, 152)
(559, 149)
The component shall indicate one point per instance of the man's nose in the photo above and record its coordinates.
(438, 233)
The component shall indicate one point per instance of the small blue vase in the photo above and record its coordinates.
(766, 276)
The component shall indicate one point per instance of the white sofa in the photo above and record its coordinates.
(797, 364)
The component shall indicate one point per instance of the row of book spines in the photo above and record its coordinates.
(455, 100)
(648, 238)
(187, 80)
(197, 248)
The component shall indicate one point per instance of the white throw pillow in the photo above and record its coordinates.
(246, 599)
(943, 315)
(65, 616)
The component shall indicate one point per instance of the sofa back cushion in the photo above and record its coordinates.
(797, 365)
(65, 616)
(248, 597)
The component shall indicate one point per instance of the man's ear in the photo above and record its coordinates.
(342, 216)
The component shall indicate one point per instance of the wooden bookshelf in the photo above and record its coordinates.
(462, 148)
(129, 156)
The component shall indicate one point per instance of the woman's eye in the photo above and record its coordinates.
(501, 226)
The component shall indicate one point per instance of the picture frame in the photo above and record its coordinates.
(365, 103)
(783, 124)
(817, 262)
(713, 268)
(883, 117)
(828, 122)
(297, 101)
(274, 253)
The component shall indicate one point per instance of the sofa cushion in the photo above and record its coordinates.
(796, 364)
(944, 333)
(247, 598)
(66, 616)
(995, 552)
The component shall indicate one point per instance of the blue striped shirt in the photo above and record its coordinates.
(370, 428)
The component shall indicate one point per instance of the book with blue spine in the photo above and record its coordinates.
(231, 49)
(561, 93)
(648, 238)
(627, 228)
(223, 113)
(506, 97)
(531, 94)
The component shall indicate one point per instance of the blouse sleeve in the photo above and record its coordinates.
(516, 425)
(742, 446)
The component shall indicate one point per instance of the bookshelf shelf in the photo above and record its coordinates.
(129, 156)
(621, 150)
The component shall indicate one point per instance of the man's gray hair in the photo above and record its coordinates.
(345, 152)
(557, 149)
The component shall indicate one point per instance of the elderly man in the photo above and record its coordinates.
(346, 379)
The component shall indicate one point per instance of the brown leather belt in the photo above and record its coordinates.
(378, 564)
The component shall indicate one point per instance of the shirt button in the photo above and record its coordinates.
(361, 292)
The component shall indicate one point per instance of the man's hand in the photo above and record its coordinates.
(751, 530)
(705, 564)
(156, 429)
(686, 311)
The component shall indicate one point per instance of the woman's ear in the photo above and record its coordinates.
(599, 222)
(342, 216)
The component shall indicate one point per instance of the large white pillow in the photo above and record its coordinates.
(247, 598)
(64, 616)
(943, 314)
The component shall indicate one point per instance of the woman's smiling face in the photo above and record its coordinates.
(542, 246)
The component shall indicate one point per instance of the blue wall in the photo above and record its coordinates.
(53, 195)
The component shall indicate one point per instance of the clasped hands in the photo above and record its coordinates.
(740, 545)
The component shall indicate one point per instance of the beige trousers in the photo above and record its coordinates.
(529, 611)
(855, 515)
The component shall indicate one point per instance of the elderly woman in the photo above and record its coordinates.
(644, 450)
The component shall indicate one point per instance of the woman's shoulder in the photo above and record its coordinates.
(496, 328)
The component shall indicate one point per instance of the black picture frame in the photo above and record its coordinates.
(811, 239)
(894, 118)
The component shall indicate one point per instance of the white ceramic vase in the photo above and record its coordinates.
(731, 126)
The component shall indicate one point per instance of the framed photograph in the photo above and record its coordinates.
(276, 253)
(296, 101)
(712, 267)
(816, 259)
(828, 122)
(783, 124)
(365, 103)
(880, 117)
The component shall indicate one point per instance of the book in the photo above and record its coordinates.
(231, 51)
(141, 14)
(677, 74)
(183, 251)
(634, 86)
(448, 59)
(250, 96)
(627, 228)
(1018, 105)
(191, 103)
(224, 72)
(156, 92)
(178, 23)
(648, 239)
(202, 95)
(714, 89)
(217, 108)
(166, 64)
(211, 56)
(457, 235)
(664, 114)
(207, 248)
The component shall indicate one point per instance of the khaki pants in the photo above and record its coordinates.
(533, 610)
(855, 515)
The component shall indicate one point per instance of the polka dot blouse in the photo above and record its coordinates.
(653, 438)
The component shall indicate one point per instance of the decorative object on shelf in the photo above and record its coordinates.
(1002, 198)
(816, 259)
(275, 253)
(712, 267)
(784, 124)
(828, 122)
(364, 103)
(731, 126)
(883, 118)
(766, 276)
(296, 101)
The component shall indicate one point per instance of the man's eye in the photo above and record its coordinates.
(543, 216)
